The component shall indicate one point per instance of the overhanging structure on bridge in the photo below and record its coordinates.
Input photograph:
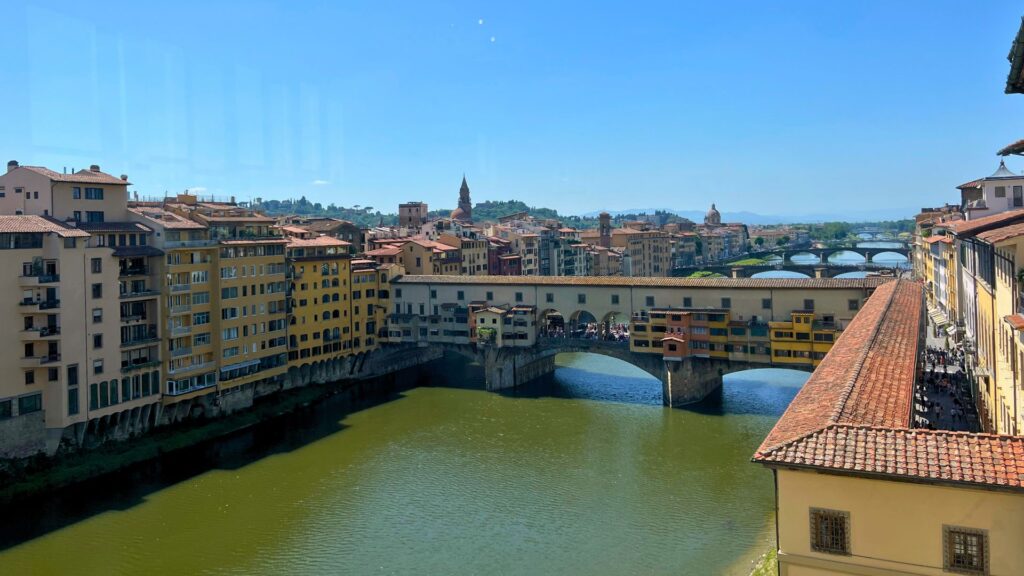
(446, 311)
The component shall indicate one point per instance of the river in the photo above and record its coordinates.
(580, 473)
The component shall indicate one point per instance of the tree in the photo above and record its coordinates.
(759, 241)
(782, 241)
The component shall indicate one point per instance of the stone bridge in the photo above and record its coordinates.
(826, 270)
(823, 254)
(684, 381)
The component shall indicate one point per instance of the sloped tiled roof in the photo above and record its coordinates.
(928, 455)
(853, 416)
(1003, 233)
(82, 176)
(28, 223)
(971, 227)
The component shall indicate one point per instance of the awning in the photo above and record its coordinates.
(938, 317)
(951, 330)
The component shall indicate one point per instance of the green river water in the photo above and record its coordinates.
(582, 473)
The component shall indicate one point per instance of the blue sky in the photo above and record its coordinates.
(773, 107)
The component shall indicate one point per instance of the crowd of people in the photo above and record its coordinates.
(942, 401)
(588, 331)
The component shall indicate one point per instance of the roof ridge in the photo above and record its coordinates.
(862, 357)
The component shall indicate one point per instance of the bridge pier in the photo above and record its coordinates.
(511, 367)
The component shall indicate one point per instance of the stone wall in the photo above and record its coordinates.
(23, 436)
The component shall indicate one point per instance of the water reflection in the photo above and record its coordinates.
(582, 473)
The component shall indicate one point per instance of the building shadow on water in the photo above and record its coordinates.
(40, 514)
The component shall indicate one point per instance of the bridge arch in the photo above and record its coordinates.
(804, 257)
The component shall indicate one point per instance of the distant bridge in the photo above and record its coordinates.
(827, 270)
(823, 254)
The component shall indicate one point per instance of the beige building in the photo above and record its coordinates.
(87, 313)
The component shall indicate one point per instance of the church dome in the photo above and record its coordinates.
(459, 214)
(713, 216)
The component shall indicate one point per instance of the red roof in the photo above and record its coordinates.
(854, 414)
(28, 223)
(80, 177)
(1015, 320)
(391, 250)
(930, 455)
(1015, 148)
(938, 238)
(1005, 233)
(328, 241)
(866, 378)
(971, 184)
(971, 227)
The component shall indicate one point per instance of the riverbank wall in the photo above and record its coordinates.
(207, 419)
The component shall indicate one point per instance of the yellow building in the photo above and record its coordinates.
(369, 304)
(319, 292)
(713, 333)
(803, 339)
(188, 321)
(860, 490)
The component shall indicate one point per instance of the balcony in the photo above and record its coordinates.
(147, 293)
(128, 318)
(181, 309)
(189, 243)
(30, 305)
(41, 333)
(38, 279)
(192, 368)
(133, 271)
(141, 364)
(180, 287)
(179, 352)
(35, 361)
(149, 338)
(180, 331)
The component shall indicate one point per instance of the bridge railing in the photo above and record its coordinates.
(575, 342)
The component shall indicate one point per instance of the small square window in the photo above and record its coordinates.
(808, 304)
(549, 297)
(766, 303)
(490, 295)
(581, 298)
(830, 531)
(687, 302)
(97, 291)
(97, 265)
(519, 296)
(97, 341)
(97, 366)
(965, 550)
(615, 298)
(649, 300)
(97, 315)
(726, 303)
(854, 304)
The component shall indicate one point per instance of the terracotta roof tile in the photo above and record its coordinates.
(28, 223)
(925, 455)
(868, 376)
(971, 227)
(326, 241)
(1003, 233)
(80, 177)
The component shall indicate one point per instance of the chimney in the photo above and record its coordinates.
(232, 199)
(12, 165)
(94, 168)
(124, 177)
